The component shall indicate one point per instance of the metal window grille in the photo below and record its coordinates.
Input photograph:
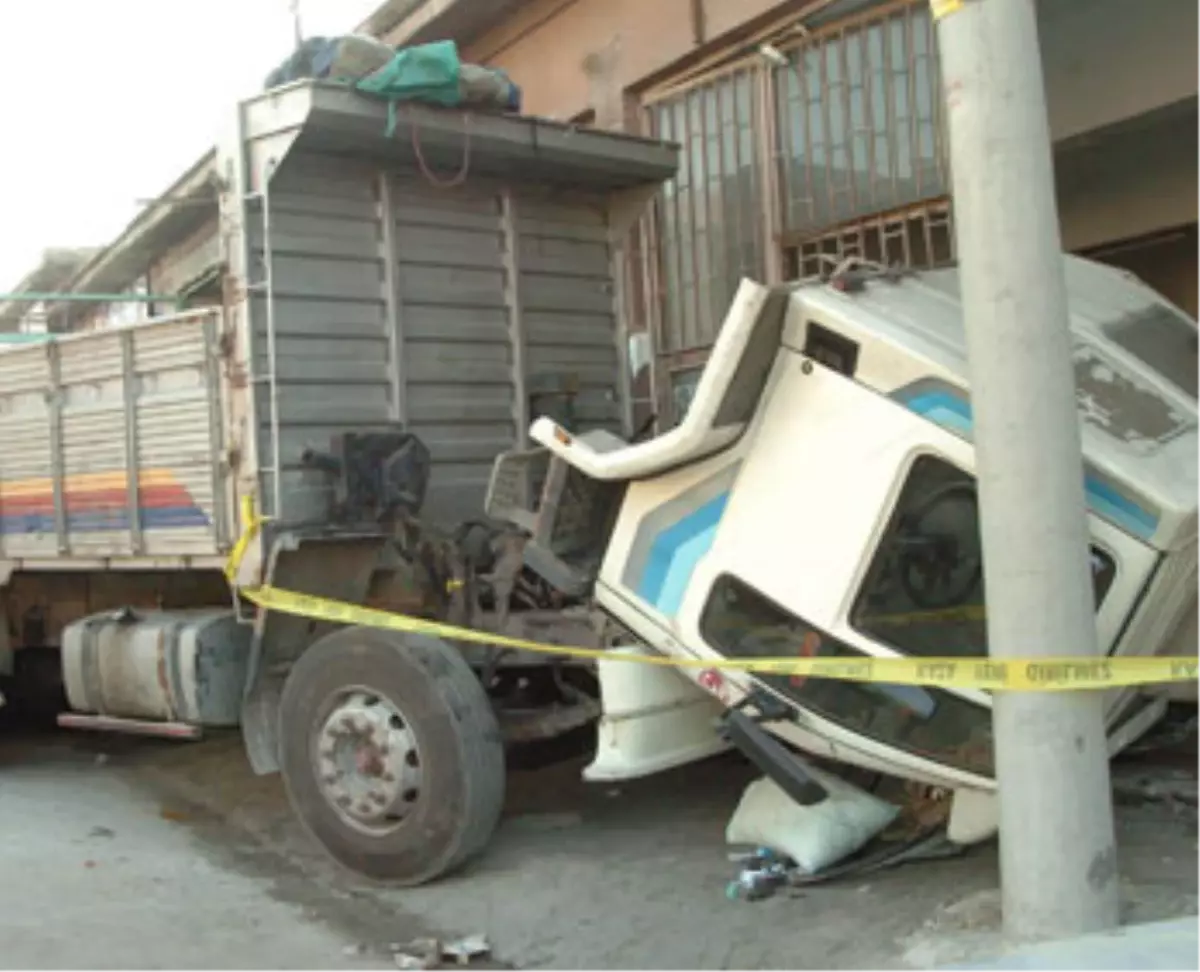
(858, 112)
(708, 218)
(785, 156)
(917, 236)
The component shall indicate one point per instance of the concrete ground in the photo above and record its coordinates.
(94, 874)
(198, 863)
(1158, 945)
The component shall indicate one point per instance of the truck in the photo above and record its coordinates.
(421, 384)
(365, 342)
(818, 500)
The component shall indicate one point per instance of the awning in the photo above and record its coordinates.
(333, 118)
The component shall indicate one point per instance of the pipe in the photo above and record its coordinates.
(52, 297)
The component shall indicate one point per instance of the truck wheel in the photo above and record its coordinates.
(391, 754)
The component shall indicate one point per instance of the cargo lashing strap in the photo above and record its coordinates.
(988, 674)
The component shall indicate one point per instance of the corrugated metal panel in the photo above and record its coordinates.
(92, 456)
(568, 310)
(331, 343)
(456, 359)
(25, 461)
(111, 444)
(177, 431)
(410, 318)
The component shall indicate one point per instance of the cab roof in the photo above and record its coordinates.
(1135, 360)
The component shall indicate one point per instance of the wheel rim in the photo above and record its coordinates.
(366, 760)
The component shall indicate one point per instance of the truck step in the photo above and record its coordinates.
(771, 757)
(134, 727)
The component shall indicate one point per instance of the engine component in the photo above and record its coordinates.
(375, 475)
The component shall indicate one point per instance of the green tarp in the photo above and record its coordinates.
(429, 72)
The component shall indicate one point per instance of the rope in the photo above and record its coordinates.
(461, 176)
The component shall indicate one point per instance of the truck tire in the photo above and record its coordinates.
(391, 754)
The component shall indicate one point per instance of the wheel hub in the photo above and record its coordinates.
(366, 760)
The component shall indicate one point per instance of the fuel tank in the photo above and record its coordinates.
(178, 666)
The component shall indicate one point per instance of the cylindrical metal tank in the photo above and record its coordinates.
(180, 666)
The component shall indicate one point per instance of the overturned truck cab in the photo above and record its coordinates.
(818, 499)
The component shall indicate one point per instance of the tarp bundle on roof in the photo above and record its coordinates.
(428, 73)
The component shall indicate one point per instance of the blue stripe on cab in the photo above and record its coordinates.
(674, 554)
(954, 414)
(1122, 511)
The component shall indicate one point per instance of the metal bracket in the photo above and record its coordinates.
(772, 757)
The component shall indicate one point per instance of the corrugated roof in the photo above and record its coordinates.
(181, 210)
(53, 272)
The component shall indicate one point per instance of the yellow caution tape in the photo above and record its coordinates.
(943, 8)
(991, 674)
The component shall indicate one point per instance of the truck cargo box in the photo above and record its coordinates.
(361, 294)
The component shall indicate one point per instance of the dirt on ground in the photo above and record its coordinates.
(585, 876)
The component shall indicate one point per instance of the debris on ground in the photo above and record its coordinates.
(1161, 767)
(814, 835)
(763, 873)
(429, 953)
(468, 949)
(420, 953)
(851, 831)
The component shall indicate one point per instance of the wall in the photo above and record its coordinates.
(573, 55)
(1166, 261)
(1108, 60)
(184, 262)
(1137, 181)
(1105, 60)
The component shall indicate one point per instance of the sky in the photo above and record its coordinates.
(105, 102)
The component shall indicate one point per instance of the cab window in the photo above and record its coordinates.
(933, 723)
(923, 593)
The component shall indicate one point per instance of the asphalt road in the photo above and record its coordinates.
(131, 854)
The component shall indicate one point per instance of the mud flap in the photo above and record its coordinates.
(653, 719)
(334, 567)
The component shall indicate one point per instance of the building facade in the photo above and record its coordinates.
(814, 130)
(810, 130)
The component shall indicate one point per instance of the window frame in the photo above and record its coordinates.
(1133, 565)
(982, 706)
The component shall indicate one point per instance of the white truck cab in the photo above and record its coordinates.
(819, 499)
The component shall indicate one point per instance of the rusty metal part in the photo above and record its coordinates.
(366, 760)
(531, 725)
